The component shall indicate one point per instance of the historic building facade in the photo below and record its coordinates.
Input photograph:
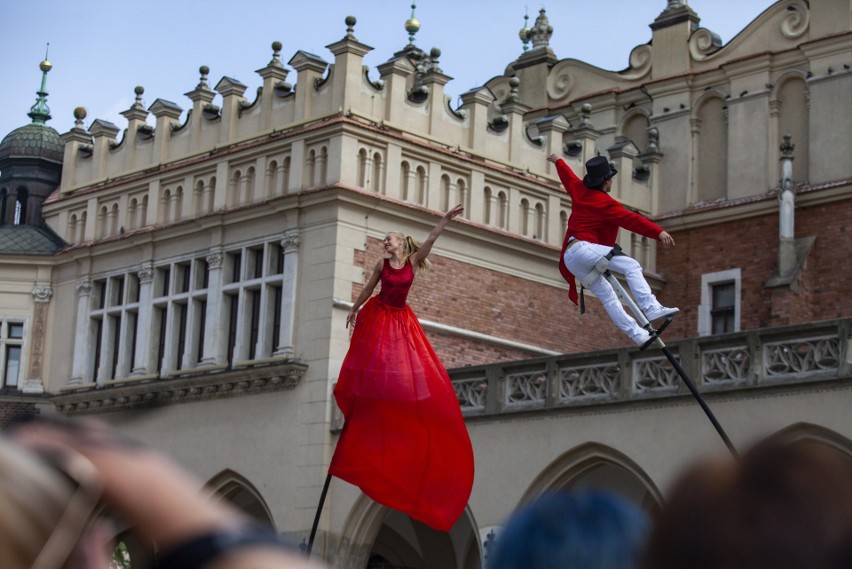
(187, 278)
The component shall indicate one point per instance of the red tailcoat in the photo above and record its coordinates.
(596, 217)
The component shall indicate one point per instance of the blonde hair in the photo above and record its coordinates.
(410, 245)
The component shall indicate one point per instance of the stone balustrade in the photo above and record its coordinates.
(756, 359)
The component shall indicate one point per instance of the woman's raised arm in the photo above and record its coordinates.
(426, 247)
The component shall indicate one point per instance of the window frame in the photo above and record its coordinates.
(705, 308)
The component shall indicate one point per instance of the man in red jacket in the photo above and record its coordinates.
(592, 230)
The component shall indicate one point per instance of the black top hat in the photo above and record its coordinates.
(598, 171)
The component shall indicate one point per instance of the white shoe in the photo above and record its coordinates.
(660, 312)
(641, 337)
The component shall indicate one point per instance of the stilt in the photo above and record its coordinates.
(658, 342)
(317, 516)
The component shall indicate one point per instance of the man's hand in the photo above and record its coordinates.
(666, 239)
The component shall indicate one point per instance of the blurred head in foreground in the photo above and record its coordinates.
(785, 505)
(584, 529)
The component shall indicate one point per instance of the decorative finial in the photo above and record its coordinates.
(787, 148)
(541, 31)
(350, 27)
(653, 140)
(276, 49)
(524, 32)
(202, 83)
(139, 90)
(40, 112)
(412, 25)
(434, 54)
(585, 115)
(79, 114)
(513, 96)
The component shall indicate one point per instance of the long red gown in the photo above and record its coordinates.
(404, 442)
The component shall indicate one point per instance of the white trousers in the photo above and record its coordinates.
(581, 259)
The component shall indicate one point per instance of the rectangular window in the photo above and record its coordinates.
(201, 310)
(13, 365)
(181, 334)
(719, 311)
(233, 309)
(253, 298)
(722, 309)
(11, 346)
(276, 316)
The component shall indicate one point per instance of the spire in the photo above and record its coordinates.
(524, 32)
(412, 25)
(40, 113)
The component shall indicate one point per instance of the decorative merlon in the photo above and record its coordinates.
(305, 61)
(101, 128)
(164, 108)
(228, 86)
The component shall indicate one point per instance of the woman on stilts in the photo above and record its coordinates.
(404, 442)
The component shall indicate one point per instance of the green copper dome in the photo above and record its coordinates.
(32, 141)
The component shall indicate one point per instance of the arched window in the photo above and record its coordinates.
(101, 227)
(712, 150)
(4, 194)
(271, 179)
(525, 217)
(311, 164)
(21, 207)
(636, 129)
(793, 105)
(322, 175)
(445, 193)
(404, 182)
(362, 168)
(178, 203)
(539, 222)
(198, 198)
(489, 205)
(376, 182)
(502, 210)
(285, 175)
(234, 189)
(421, 185)
(463, 196)
(165, 202)
(248, 188)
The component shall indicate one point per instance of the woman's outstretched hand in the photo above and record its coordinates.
(553, 158)
(455, 212)
(666, 239)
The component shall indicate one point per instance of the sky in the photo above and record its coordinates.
(102, 49)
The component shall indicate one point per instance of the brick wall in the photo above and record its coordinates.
(473, 298)
(752, 245)
(11, 411)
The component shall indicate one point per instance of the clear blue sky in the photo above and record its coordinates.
(102, 49)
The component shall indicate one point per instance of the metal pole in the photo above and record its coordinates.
(700, 399)
(317, 516)
(657, 341)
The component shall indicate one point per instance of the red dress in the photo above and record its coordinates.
(404, 442)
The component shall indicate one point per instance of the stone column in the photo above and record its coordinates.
(214, 334)
(82, 364)
(41, 300)
(144, 331)
(290, 246)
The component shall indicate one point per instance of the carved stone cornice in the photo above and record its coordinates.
(200, 387)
